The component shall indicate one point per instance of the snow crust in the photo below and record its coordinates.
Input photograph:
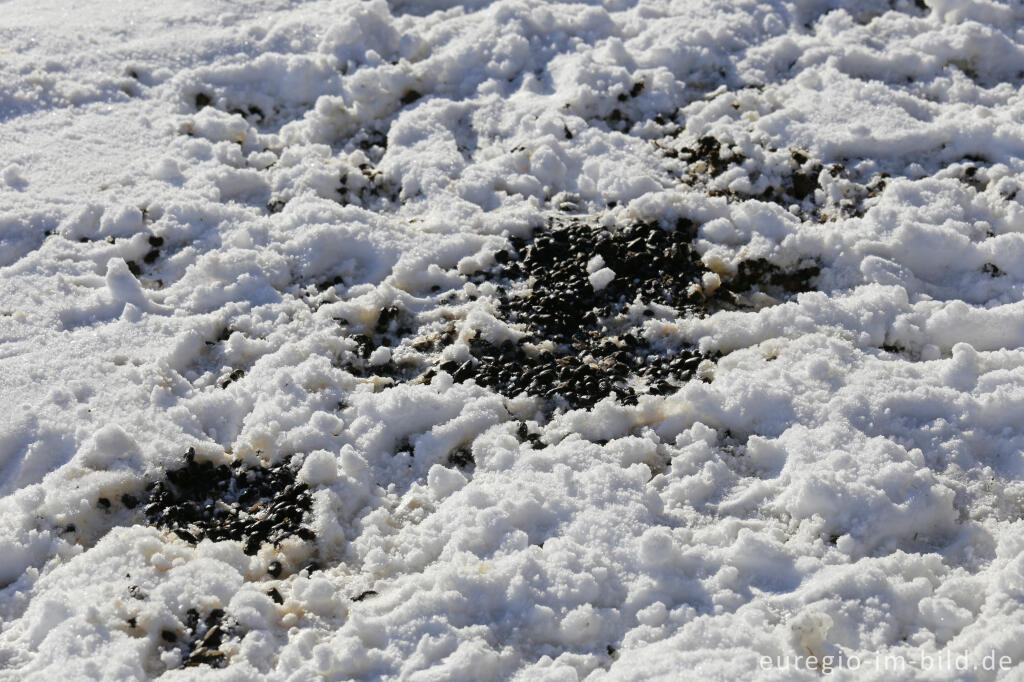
(849, 481)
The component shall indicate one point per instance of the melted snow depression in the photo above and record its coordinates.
(609, 340)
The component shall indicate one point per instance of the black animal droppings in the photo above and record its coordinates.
(202, 100)
(363, 595)
(461, 458)
(205, 636)
(203, 656)
(275, 595)
(240, 502)
(214, 636)
(155, 241)
(274, 569)
(185, 535)
(464, 371)
(103, 503)
(151, 257)
(234, 376)
(386, 316)
(168, 636)
(129, 501)
(134, 268)
(595, 345)
(804, 184)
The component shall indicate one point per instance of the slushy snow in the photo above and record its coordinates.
(846, 481)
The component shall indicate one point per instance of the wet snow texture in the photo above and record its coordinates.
(378, 262)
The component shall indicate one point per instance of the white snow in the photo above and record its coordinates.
(847, 484)
(601, 278)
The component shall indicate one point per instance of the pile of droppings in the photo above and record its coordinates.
(252, 505)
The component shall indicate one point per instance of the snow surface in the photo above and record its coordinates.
(821, 495)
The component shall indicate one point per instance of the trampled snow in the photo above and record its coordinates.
(202, 203)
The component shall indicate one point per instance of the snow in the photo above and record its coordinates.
(845, 483)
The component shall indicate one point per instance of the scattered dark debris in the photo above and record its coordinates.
(461, 458)
(365, 594)
(250, 504)
(804, 183)
(992, 270)
(709, 150)
(204, 637)
(762, 274)
(234, 376)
